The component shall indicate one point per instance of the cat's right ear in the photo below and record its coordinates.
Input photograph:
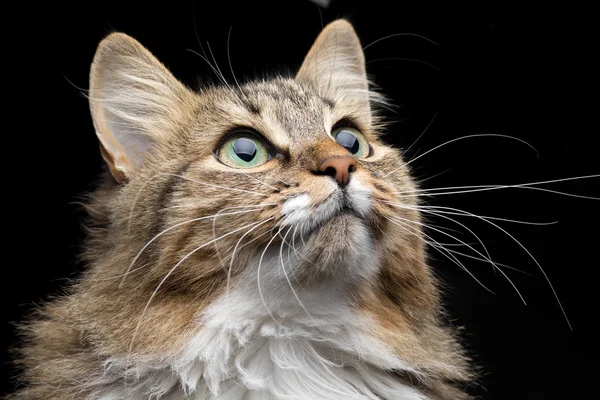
(136, 103)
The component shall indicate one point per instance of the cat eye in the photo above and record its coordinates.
(353, 141)
(243, 150)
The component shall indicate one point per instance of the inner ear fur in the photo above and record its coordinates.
(136, 103)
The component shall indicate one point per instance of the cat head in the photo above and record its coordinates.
(281, 183)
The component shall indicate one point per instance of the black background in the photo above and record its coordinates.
(529, 71)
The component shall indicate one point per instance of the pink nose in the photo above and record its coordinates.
(338, 168)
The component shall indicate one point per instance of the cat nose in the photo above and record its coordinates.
(338, 168)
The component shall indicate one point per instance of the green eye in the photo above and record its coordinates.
(243, 151)
(353, 141)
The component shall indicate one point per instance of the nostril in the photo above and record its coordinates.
(338, 168)
(330, 171)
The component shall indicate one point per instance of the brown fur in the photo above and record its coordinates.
(68, 339)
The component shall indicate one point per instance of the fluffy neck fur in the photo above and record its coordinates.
(242, 352)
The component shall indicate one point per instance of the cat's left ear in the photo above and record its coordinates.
(335, 66)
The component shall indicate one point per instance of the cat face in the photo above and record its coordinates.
(274, 181)
(315, 193)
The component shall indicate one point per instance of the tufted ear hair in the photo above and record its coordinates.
(136, 103)
(335, 65)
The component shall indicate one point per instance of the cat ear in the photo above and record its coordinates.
(335, 64)
(136, 103)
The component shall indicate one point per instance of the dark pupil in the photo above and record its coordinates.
(348, 140)
(244, 149)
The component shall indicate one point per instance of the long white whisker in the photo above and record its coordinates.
(524, 249)
(298, 255)
(488, 257)
(287, 278)
(415, 60)
(422, 133)
(178, 225)
(205, 56)
(508, 186)
(514, 221)
(421, 181)
(449, 255)
(252, 177)
(486, 261)
(399, 34)
(484, 188)
(461, 138)
(260, 293)
(214, 227)
(497, 187)
(229, 61)
(221, 78)
(217, 186)
(217, 66)
(235, 249)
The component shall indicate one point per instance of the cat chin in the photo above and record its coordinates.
(340, 249)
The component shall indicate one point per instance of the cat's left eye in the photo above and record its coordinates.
(353, 141)
(243, 150)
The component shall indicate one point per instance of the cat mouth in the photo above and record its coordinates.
(350, 203)
(340, 213)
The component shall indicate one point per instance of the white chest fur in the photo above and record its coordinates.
(242, 353)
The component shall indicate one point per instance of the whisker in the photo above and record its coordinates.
(483, 188)
(421, 181)
(251, 177)
(176, 226)
(205, 56)
(135, 200)
(488, 258)
(216, 186)
(462, 138)
(524, 249)
(449, 255)
(415, 60)
(399, 34)
(422, 133)
(287, 278)
(298, 255)
(235, 249)
(486, 261)
(260, 293)
(218, 69)
(467, 245)
(518, 184)
(217, 72)
(514, 221)
(289, 255)
(229, 61)
(214, 231)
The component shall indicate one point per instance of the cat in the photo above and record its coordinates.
(246, 242)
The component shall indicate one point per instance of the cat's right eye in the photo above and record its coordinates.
(243, 150)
